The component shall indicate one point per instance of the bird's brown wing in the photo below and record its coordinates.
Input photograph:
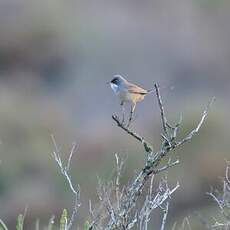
(135, 89)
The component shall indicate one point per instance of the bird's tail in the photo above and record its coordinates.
(150, 91)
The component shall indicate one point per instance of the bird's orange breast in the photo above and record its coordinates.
(137, 97)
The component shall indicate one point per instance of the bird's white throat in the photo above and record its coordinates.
(114, 87)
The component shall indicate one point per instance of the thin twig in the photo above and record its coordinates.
(70, 156)
(148, 200)
(169, 165)
(227, 173)
(119, 165)
(165, 216)
(127, 130)
(196, 130)
(147, 146)
(216, 200)
(151, 185)
(222, 200)
(163, 117)
(185, 223)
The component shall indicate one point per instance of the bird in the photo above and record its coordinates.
(128, 93)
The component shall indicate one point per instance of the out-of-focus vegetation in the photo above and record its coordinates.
(55, 57)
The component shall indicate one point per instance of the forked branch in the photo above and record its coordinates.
(153, 160)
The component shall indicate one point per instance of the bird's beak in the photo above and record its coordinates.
(108, 82)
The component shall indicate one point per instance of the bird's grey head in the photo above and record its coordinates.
(117, 82)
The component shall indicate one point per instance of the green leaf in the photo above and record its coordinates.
(86, 225)
(63, 220)
(2, 225)
(20, 222)
(148, 147)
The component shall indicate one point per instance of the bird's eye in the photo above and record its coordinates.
(114, 81)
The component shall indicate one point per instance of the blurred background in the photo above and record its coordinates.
(55, 58)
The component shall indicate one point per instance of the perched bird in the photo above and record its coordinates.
(128, 92)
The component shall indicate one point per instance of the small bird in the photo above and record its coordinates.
(127, 92)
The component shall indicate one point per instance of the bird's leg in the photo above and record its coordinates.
(123, 112)
(131, 114)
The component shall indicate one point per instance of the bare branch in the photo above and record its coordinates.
(169, 165)
(65, 172)
(146, 211)
(185, 224)
(70, 156)
(220, 205)
(165, 216)
(147, 146)
(227, 173)
(119, 166)
(196, 130)
(129, 198)
(156, 201)
(222, 199)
